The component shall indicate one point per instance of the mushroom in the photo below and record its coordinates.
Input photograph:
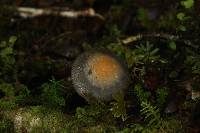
(99, 74)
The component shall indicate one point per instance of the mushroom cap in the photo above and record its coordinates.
(99, 74)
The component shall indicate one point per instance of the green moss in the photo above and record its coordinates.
(90, 117)
(37, 119)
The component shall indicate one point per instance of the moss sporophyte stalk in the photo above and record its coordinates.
(99, 74)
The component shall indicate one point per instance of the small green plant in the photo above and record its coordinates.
(151, 114)
(119, 107)
(172, 45)
(151, 117)
(7, 102)
(161, 95)
(52, 94)
(182, 17)
(149, 52)
(7, 59)
(7, 52)
(141, 94)
(23, 95)
(194, 61)
(187, 3)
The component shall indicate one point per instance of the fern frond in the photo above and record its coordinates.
(151, 114)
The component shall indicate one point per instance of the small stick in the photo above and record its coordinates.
(28, 12)
(138, 37)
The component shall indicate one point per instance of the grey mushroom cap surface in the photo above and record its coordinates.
(99, 74)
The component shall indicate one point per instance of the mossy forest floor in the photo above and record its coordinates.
(159, 41)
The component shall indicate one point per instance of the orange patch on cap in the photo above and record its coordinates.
(104, 69)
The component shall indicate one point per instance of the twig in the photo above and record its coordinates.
(154, 35)
(27, 12)
(138, 37)
(131, 39)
